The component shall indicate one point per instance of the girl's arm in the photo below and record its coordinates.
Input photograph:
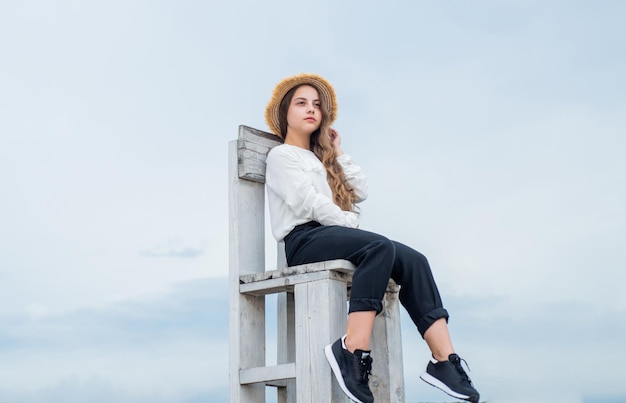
(286, 178)
(353, 173)
(354, 176)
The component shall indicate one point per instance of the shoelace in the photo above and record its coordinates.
(365, 368)
(457, 365)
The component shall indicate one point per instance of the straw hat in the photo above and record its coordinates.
(325, 90)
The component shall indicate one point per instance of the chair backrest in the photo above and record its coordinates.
(252, 148)
(247, 199)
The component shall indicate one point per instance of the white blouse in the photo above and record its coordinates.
(298, 191)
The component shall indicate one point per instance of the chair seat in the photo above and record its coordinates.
(274, 281)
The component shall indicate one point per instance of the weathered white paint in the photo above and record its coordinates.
(286, 342)
(267, 374)
(387, 369)
(246, 255)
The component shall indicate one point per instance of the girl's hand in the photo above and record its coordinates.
(335, 141)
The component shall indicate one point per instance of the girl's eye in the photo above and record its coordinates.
(316, 105)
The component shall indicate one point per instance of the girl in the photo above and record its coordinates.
(312, 188)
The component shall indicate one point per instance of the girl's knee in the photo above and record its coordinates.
(405, 254)
(384, 245)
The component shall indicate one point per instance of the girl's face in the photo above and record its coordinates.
(304, 115)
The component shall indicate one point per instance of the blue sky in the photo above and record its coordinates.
(492, 133)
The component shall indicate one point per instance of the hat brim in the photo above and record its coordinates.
(324, 89)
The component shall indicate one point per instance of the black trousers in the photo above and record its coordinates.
(376, 259)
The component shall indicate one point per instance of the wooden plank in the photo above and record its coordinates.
(246, 255)
(394, 346)
(281, 259)
(247, 222)
(387, 379)
(338, 265)
(286, 343)
(286, 338)
(258, 136)
(283, 284)
(267, 374)
(252, 148)
(320, 319)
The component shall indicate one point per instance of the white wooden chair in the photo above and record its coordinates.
(311, 303)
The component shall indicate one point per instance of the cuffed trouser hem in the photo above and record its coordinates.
(430, 318)
(365, 304)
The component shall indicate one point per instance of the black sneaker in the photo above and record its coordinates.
(450, 377)
(351, 370)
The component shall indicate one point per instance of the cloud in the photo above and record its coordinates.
(188, 311)
(605, 399)
(521, 352)
(124, 351)
(175, 248)
(162, 348)
(184, 253)
(96, 389)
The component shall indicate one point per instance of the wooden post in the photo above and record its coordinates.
(387, 380)
(286, 322)
(286, 343)
(320, 319)
(247, 255)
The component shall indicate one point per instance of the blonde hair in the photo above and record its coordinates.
(343, 193)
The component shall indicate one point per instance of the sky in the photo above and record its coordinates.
(492, 134)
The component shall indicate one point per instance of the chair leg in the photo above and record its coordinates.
(249, 350)
(320, 319)
(387, 380)
(286, 346)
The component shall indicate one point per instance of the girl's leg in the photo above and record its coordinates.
(438, 339)
(359, 330)
(372, 254)
(377, 258)
(419, 295)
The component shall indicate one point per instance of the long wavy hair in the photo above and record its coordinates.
(343, 193)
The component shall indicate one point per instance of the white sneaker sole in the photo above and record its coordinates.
(334, 365)
(428, 378)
